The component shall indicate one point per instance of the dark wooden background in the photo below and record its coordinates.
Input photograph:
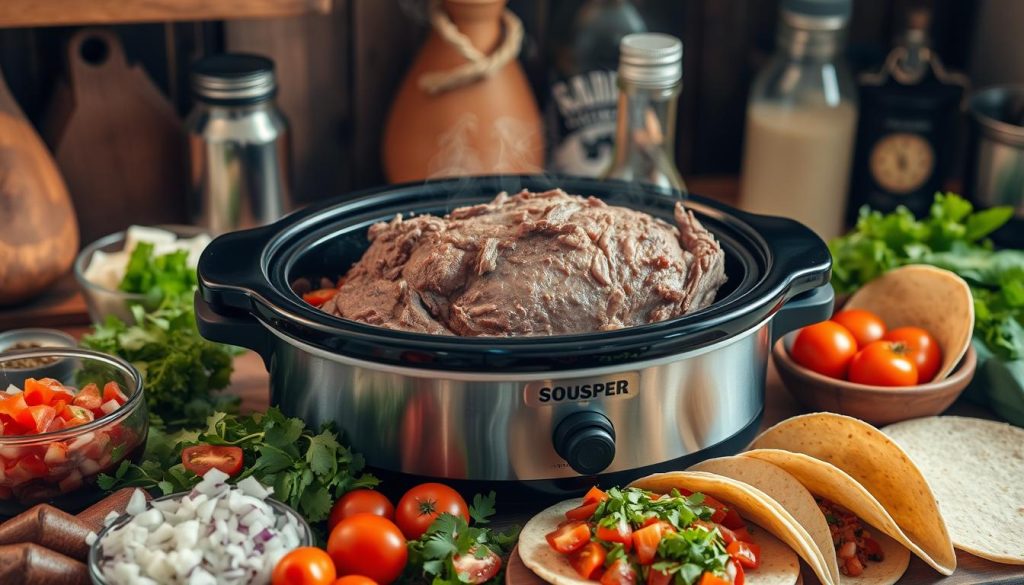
(338, 71)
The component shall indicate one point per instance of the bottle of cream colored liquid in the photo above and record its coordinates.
(801, 121)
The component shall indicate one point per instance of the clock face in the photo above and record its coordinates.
(902, 162)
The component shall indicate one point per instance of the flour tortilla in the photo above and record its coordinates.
(789, 493)
(779, 566)
(901, 503)
(937, 300)
(752, 504)
(976, 468)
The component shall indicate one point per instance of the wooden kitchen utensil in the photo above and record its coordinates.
(465, 107)
(117, 140)
(38, 232)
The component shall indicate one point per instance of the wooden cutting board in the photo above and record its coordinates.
(970, 570)
(117, 140)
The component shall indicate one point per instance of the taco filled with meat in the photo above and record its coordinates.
(857, 552)
(856, 466)
(674, 536)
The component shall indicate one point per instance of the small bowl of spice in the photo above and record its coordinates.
(38, 366)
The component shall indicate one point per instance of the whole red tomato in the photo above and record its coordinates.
(354, 580)
(368, 545)
(304, 566)
(883, 363)
(421, 505)
(922, 348)
(825, 347)
(361, 500)
(864, 325)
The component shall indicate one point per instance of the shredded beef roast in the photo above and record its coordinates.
(531, 264)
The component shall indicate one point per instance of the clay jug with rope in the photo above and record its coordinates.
(465, 106)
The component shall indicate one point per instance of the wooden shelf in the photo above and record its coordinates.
(22, 13)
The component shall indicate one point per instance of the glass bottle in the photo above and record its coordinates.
(580, 108)
(650, 79)
(801, 120)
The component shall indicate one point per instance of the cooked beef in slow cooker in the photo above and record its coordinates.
(531, 264)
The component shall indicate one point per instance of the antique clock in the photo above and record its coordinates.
(907, 128)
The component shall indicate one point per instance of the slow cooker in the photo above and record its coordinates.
(552, 413)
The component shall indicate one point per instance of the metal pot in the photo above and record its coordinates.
(995, 171)
(549, 411)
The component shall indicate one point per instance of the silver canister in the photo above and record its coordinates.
(238, 140)
(997, 172)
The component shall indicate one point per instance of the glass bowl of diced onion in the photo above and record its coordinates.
(230, 534)
(58, 436)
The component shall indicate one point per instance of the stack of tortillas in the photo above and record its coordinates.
(976, 470)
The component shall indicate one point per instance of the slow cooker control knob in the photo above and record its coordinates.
(586, 440)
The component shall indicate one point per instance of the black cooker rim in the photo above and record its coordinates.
(790, 258)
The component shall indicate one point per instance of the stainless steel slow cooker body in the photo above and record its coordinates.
(552, 412)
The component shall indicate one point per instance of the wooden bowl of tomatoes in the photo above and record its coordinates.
(853, 365)
(58, 435)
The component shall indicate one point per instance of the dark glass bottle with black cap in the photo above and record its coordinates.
(239, 144)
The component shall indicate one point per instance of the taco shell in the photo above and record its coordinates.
(899, 500)
(794, 498)
(752, 504)
(779, 565)
(976, 468)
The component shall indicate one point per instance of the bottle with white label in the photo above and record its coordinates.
(801, 121)
(581, 106)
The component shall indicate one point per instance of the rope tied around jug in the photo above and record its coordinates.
(479, 65)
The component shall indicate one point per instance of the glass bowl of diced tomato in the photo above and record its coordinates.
(58, 436)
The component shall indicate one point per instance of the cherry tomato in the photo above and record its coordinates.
(357, 501)
(655, 577)
(369, 545)
(646, 541)
(111, 391)
(735, 570)
(583, 511)
(922, 349)
(569, 537)
(202, 458)
(595, 495)
(588, 559)
(883, 363)
(421, 505)
(826, 348)
(304, 566)
(320, 296)
(619, 532)
(713, 579)
(619, 573)
(864, 325)
(745, 553)
(88, 397)
(474, 570)
(354, 580)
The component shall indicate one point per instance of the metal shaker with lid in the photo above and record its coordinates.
(238, 141)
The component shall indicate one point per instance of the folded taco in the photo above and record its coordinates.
(856, 552)
(675, 536)
(880, 483)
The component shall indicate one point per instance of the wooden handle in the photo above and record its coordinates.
(95, 53)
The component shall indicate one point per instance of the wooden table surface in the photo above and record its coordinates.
(64, 308)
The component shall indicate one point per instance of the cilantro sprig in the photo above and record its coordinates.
(433, 556)
(308, 469)
(690, 553)
(635, 507)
